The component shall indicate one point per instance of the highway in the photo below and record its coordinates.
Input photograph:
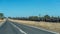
(15, 28)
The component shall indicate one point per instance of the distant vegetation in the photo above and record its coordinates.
(45, 18)
(1, 16)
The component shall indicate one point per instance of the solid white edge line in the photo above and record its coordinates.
(19, 29)
(42, 29)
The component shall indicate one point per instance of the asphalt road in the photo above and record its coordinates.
(15, 28)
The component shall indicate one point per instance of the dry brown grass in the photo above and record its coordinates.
(47, 25)
(1, 20)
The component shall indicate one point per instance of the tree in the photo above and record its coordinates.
(34, 18)
(1, 15)
(9, 17)
(46, 16)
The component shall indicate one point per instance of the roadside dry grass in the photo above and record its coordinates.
(47, 25)
(1, 20)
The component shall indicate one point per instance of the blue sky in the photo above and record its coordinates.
(30, 7)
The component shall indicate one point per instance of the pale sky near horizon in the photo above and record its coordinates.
(30, 7)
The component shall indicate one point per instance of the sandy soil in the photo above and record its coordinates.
(47, 25)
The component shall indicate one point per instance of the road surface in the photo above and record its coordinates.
(15, 28)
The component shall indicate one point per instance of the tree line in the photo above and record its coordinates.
(45, 18)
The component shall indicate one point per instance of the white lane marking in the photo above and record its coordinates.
(41, 29)
(19, 29)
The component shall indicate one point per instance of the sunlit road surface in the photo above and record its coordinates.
(15, 28)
